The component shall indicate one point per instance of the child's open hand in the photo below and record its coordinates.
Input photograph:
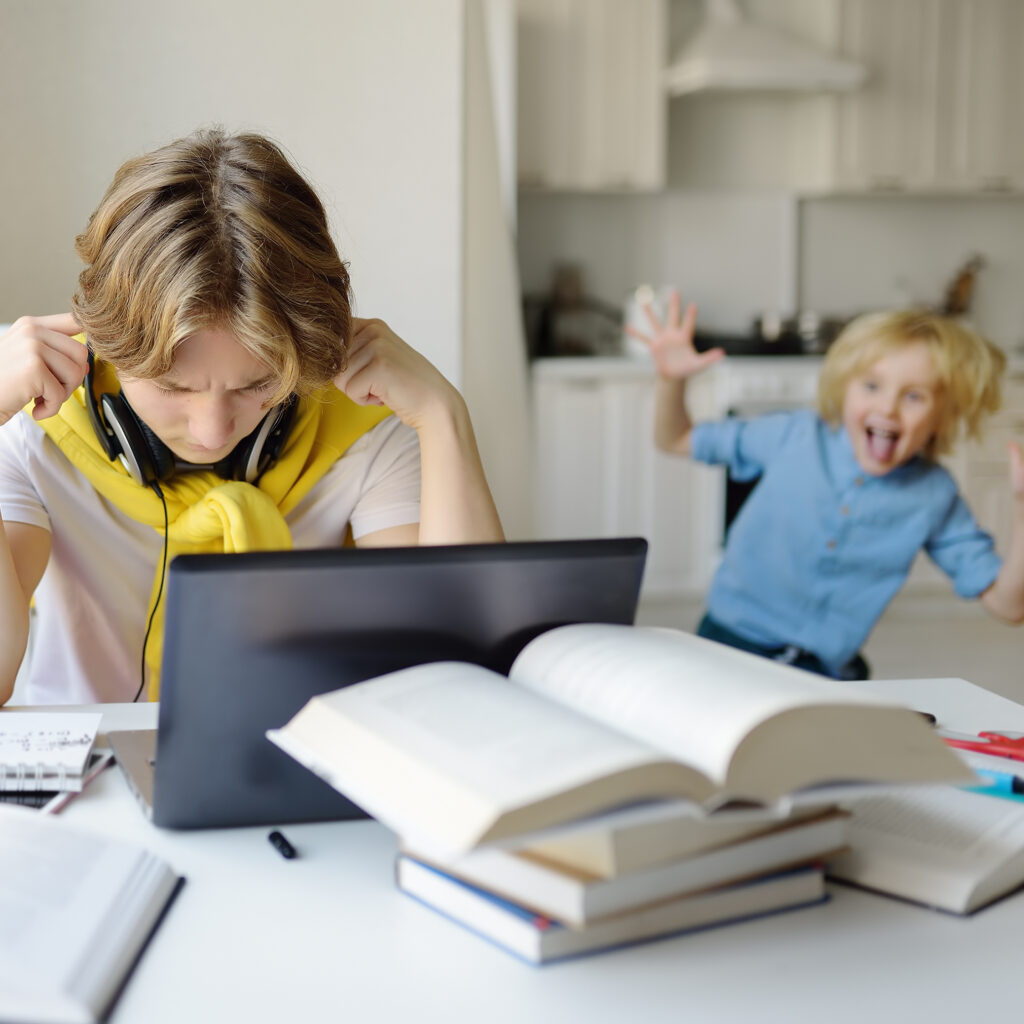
(671, 342)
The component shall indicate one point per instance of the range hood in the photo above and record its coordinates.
(728, 52)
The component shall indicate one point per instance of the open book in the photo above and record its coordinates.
(944, 847)
(592, 717)
(76, 911)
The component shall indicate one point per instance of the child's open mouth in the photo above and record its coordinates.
(881, 443)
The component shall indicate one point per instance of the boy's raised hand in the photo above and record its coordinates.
(383, 370)
(40, 361)
(671, 342)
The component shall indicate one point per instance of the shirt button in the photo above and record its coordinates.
(858, 481)
(831, 545)
(844, 510)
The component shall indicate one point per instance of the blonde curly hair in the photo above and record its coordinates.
(968, 365)
(214, 230)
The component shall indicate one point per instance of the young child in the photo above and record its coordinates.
(849, 495)
(232, 403)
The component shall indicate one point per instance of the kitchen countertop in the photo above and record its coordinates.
(595, 367)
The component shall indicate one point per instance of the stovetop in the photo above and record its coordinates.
(786, 344)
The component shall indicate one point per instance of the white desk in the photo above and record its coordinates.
(326, 937)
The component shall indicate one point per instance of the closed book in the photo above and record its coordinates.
(537, 939)
(947, 848)
(606, 850)
(577, 899)
(77, 911)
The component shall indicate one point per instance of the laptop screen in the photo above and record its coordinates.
(249, 638)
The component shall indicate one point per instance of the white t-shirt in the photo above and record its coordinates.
(92, 600)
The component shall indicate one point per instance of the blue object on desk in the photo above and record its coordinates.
(1001, 784)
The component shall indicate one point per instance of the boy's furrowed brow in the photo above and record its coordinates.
(169, 380)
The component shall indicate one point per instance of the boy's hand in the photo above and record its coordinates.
(671, 342)
(383, 370)
(40, 362)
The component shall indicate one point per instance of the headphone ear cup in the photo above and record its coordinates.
(142, 453)
(259, 450)
(162, 458)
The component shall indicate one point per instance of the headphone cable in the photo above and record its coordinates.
(155, 485)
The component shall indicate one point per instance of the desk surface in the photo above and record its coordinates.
(326, 937)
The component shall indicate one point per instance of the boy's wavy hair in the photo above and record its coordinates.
(214, 230)
(968, 365)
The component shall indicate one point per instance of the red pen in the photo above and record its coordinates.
(997, 744)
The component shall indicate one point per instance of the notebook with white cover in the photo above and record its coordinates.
(45, 750)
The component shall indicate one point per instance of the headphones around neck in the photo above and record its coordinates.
(123, 435)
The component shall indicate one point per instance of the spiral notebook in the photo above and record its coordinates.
(40, 750)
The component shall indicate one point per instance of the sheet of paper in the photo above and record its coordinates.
(59, 742)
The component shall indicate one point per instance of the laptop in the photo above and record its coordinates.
(250, 638)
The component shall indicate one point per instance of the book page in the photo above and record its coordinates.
(942, 822)
(56, 886)
(449, 740)
(940, 845)
(690, 698)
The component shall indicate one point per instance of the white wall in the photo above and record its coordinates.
(494, 365)
(366, 97)
(876, 253)
(733, 253)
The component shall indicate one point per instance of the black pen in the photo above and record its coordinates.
(283, 847)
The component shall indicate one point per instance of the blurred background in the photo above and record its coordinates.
(510, 179)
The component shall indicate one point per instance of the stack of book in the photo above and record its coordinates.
(465, 765)
(602, 888)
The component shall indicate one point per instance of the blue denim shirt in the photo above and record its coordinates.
(820, 547)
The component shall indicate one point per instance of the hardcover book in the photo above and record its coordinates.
(578, 900)
(537, 939)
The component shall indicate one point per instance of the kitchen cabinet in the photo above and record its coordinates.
(598, 474)
(937, 114)
(591, 108)
(980, 142)
(885, 133)
(940, 110)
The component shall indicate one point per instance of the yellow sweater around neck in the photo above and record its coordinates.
(205, 513)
